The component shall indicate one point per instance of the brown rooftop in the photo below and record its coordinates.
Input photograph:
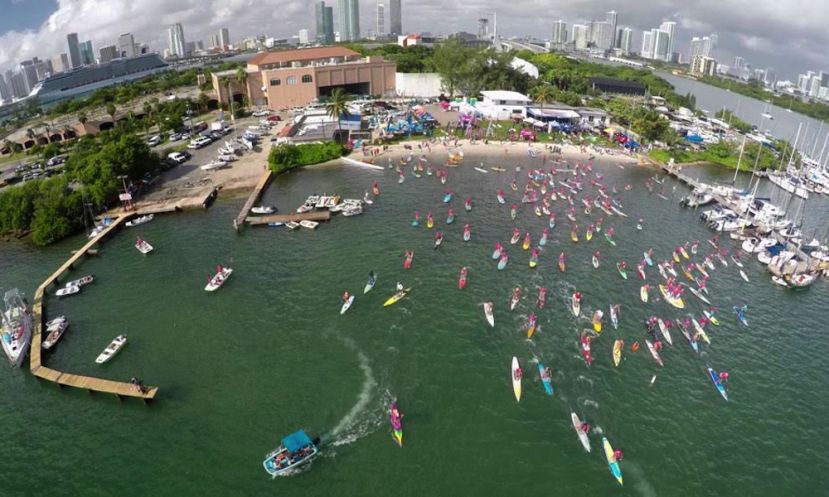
(300, 55)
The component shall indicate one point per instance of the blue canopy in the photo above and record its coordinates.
(693, 138)
(296, 441)
(775, 249)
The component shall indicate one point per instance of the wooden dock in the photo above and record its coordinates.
(284, 218)
(119, 389)
(252, 199)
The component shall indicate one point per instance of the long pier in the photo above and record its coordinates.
(284, 218)
(252, 199)
(92, 384)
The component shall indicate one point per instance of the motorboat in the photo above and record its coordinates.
(213, 165)
(309, 224)
(292, 225)
(218, 279)
(227, 157)
(139, 221)
(295, 450)
(67, 291)
(55, 328)
(143, 246)
(16, 329)
(263, 209)
(112, 349)
(306, 207)
(352, 211)
(83, 281)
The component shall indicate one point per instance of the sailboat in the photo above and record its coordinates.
(767, 112)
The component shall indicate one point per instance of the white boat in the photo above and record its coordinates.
(218, 279)
(113, 348)
(292, 225)
(143, 246)
(227, 157)
(81, 281)
(139, 221)
(490, 317)
(16, 329)
(263, 209)
(306, 207)
(585, 442)
(352, 211)
(67, 290)
(347, 304)
(213, 165)
(55, 327)
(480, 170)
(309, 224)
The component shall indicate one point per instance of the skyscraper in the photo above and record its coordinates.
(349, 19)
(107, 53)
(601, 35)
(580, 36)
(74, 50)
(702, 46)
(395, 18)
(29, 71)
(87, 53)
(668, 27)
(325, 23)
(224, 39)
(303, 36)
(176, 41)
(647, 45)
(661, 45)
(381, 19)
(559, 33)
(126, 45)
(5, 94)
(612, 18)
(60, 63)
(626, 40)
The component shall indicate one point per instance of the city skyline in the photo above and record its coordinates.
(763, 44)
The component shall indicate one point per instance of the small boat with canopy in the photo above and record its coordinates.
(296, 450)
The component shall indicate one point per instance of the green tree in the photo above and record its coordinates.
(452, 58)
(82, 118)
(543, 94)
(111, 110)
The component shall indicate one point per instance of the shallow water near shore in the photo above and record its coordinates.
(269, 353)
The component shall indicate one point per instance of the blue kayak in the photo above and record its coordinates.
(548, 384)
(741, 314)
(718, 383)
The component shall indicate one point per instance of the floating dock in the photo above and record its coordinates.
(284, 218)
(252, 199)
(117, 388)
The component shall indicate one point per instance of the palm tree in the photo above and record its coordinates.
(337, 105)
(543, 94)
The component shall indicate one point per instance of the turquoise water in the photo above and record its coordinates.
(269, 353)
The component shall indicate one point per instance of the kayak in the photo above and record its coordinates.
(542, 297)
(462, 279)
(396, 297)
(526, 244)
(623, 273)
(612, 463)
(684, 253)
(654, 353)
(396, 423)
(693, 343)
(574, 236)
(430, 223)
(741, 315)
(700, 330)
(698, 295)
(585, 442)
(717, 383)
(585, 348)
(347, 305)
(595, 262)
(516, 296)
(701, 269)
(597, 321)
(663, 328)
(743, 275)
(503, 262)
(531, 320)
(516, 379)
(490, 317)
(641, 270)
(543, 240)
(545, 380)
(674, 301)
(372, 279)
(614, 317)
(516, 235)
(562, 265)
(534, 258)
(438, 239)
(643, 293)
(711, 317)
(609, 239)
(497, 253)
(447, 197)
(676, 257)
(648, 259)
(588, 236)
(617, 352)
(408, 262)
(575, 306)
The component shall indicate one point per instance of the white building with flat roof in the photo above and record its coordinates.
(502, 105)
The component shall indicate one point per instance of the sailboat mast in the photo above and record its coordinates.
(794, 147)
(739, 160)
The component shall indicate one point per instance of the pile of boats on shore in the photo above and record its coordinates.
(762, 229)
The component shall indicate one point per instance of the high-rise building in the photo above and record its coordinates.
(126, 45)
(580, 36)
(669, 27)
(176, 41)
(74, 50)
(661, 45)
(107, 53)
(189, 48)
(647, 45)
(395, 18)
(703, 46)
(703, 66)
(303, 36)
(739, 62)
(60, 63)
(224, 39)
(559, 33)
(325, 23)
(814, 86)
(43, 69)
(349, 19)
(824, 78)
(381, 19)
(602, 35)
(87, 53)
(612, 18)
(17, 83)
(5, 94)
(29, 71)
(625, 40)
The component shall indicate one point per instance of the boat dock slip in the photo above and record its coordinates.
(252, 199)
(284, 218)
(355, 162)
(117, 388)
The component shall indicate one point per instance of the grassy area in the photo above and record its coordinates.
(690, 156)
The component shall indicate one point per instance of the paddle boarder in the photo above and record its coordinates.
(724, 376)
(618, 455)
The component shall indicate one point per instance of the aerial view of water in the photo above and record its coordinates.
(269, 353)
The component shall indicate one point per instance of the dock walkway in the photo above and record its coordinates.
(117, 388)
(252, 199)
(284, 218)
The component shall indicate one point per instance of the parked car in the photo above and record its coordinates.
(154, 140)
(261, 113)
(199, 143)
(274, 118)
(178, 157)
(174, 137)
(54, 161)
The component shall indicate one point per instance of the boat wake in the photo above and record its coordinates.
(591, 403)
(597, 430)
(585, 379)
(359, 421)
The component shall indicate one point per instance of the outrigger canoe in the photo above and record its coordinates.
(396, 297)
(612, 463)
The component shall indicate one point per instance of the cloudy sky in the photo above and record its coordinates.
(788, 35)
